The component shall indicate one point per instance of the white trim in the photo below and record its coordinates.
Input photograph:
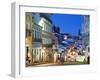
(15, 41)
(18, 41)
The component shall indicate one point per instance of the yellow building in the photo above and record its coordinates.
(28, 37)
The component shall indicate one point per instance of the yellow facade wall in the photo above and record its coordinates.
(28, 39)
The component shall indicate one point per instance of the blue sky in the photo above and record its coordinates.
(68, 23)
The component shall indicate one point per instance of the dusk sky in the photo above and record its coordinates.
(68, 23)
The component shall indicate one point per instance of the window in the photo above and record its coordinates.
(28, 32)
(35, 34)
(38, 34)
(26, 49)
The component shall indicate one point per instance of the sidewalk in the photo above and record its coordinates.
(49, 64)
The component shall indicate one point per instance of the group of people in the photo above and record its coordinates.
(70, 54)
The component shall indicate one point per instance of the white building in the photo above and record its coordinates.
(85, 29)
(42, 36)
(36, 38)
(46, 29)
(86, 35)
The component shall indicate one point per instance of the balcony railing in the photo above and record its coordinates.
(47, 45)
(37, 40)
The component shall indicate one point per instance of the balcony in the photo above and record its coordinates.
(47, 45)
(37, 40)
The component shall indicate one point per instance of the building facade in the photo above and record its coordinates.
(46, 24)
(28, 37)
(36, 41)
(42, 37)
(86, 35)
(36, 38)
(47, 36)
(85, 29)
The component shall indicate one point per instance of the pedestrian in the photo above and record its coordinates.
(58, 60)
